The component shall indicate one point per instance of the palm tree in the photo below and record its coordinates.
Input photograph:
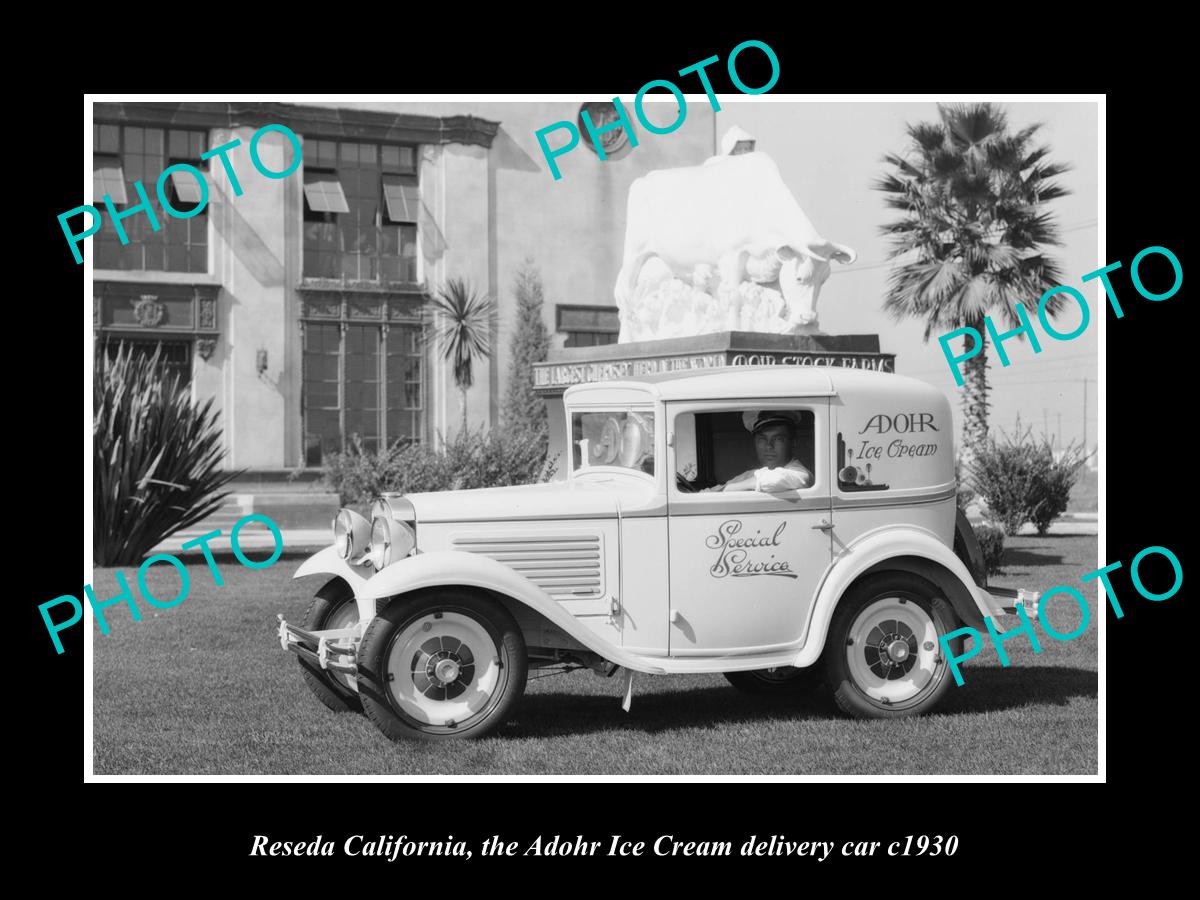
(974, 223)
(464, 335)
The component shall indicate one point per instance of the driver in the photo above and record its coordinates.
(774, 444)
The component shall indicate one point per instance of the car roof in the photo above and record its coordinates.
(733, 382)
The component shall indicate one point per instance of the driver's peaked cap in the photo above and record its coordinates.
(770, 417)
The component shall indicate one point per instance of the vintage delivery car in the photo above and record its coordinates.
(783, 526)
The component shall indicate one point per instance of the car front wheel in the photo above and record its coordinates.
(443, 665)
(332, 607)
(883, 656)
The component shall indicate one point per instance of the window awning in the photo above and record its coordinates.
(323, 192)
(402, 195)
(108, 178)
(187, 188)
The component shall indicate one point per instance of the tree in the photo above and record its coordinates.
(524, 409)
(464, 335)
(974, 223)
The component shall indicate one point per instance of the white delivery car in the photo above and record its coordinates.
(785, 527)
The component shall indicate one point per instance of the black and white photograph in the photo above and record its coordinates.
(694, 435)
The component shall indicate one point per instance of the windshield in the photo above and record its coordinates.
(622, 438)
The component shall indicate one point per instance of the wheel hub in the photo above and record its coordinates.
(891, 650)
(898, 651)
(446, 670)
(442, 668)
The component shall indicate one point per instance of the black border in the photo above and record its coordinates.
(1149, 431)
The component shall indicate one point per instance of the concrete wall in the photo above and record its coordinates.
(495, 206)
(253, 243)
(573, 228)
(254, 255)
(468, 255)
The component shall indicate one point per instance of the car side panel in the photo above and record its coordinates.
(454, 567)
(867, 551)
(575, 562)
(645, 587)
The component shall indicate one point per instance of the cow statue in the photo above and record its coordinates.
(722, 246)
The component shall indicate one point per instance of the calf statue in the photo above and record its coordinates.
(722, 246)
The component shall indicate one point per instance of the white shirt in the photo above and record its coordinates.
(782, 478)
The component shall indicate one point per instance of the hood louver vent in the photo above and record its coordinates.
(564, 566)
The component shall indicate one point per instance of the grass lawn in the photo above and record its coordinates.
(204, 688)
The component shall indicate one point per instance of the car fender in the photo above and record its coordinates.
(328, 562)
(902, 547)
(445, 568)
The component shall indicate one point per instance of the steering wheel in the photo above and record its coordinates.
(684, 485)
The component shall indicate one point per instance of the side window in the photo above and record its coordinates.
(621, 438)
(746, 449)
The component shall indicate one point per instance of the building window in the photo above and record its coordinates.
(175, 357)
(364, 382)
(128, 153)
(588, 326)
(361, 208)
(107, 178)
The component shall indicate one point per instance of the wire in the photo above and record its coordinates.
(1043, 381)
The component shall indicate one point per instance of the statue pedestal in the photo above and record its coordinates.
(612, 362)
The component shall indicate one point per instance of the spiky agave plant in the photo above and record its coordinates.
(156, 457)
(464, 334)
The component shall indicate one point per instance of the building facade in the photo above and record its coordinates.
(298, 304)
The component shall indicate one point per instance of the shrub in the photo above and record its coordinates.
(1058, 480)
(1021, 480)
(156, 457)
(991, 542)
(966, 495)
(523, 408)
(472, 459)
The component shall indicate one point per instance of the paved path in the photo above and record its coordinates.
(252, 536)
(1064, 526)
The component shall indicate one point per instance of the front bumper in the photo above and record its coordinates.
(335, 649)
(1004, 601)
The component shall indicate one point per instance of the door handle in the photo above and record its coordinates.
(823, 525)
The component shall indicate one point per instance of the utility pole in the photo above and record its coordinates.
(1085, 382)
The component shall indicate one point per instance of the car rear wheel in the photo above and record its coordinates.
(774, 682)
(442, 665)
(883, 655)
(333, 607)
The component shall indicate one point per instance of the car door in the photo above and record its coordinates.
(744, 566)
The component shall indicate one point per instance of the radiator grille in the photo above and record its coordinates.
(564, 566)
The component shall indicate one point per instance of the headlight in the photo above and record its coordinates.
(395, 506)
(380, 510)
(390, 541)
(351, 534)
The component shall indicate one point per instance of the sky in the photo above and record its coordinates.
(829, 154)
